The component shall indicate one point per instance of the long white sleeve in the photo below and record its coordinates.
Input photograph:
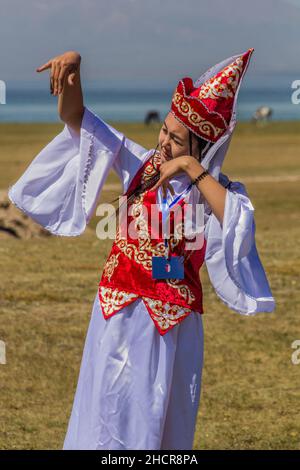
(61, 186)
(231, 256)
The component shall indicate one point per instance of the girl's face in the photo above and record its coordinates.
(173, 139)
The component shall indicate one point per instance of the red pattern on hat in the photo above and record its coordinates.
(207, 110)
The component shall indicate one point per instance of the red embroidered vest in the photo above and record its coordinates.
(127, 273)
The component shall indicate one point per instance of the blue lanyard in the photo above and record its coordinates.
(165, 212)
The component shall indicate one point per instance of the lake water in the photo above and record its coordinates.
(27, 105)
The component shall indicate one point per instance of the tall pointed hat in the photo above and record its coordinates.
(216, 108)
(207, 109)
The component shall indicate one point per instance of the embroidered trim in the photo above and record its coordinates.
(113, 300)
(143, 253)
(187, 127)
(152, 167)
(110, 265)
(87, 168)
(214, 88)
(164, 314)
(207, 88)
(194, 98)
(183, 290)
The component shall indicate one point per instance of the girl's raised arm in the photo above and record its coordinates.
(61, 186)
(65, 83)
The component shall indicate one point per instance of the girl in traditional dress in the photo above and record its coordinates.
(140, 377)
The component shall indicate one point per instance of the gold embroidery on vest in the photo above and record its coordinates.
(164, 314)
(183, 290)
(151, 167)
(113, 299)
(110, 265)
(143, 253)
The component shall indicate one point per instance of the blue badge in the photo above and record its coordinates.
(167, 268)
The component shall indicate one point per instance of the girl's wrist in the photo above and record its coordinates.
(192, 167)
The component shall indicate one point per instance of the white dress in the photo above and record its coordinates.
(136, 388)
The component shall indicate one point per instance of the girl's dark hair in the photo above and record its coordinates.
(151, 181)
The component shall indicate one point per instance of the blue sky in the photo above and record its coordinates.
(139, 43)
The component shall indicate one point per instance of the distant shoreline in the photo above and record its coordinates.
(151, 126)
(124, 106)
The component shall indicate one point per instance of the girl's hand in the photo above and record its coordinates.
(170, 168)
(62, 66)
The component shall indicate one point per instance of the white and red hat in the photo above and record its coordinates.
(207, 109)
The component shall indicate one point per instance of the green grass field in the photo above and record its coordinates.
(250, 388)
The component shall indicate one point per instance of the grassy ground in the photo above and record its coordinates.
(250, 389)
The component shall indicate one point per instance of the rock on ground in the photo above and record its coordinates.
(14, 223)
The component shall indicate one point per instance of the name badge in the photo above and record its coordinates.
(167, 268)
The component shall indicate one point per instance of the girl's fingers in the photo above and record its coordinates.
(56, 74)
(164, 184)
(51, 85)
(159, 182)
(171, 189)
(71, 78)
(61, 78)
(52, 78)
(45, 66)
